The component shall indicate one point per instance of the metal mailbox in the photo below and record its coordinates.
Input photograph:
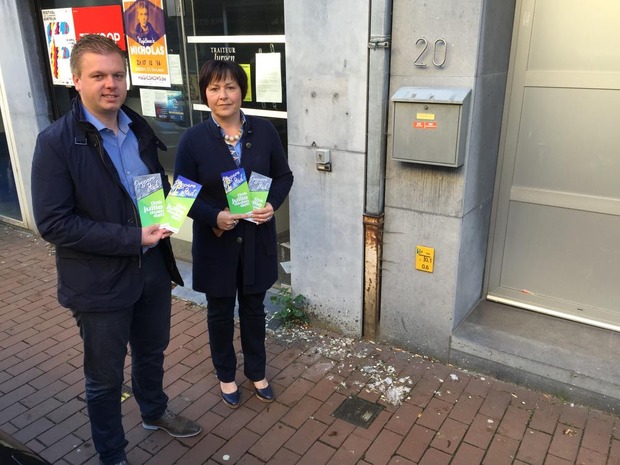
(429, 125)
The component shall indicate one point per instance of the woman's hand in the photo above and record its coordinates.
(226, 221)
(262, 215)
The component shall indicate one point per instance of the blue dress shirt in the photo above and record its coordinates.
(122, 149)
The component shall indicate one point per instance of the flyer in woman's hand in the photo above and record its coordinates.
(237, 191)
(259, 185)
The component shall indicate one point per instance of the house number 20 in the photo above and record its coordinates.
(440, 52)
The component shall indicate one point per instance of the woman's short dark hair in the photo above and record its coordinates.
(217, 70)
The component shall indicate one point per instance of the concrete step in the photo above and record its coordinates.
(578, 363)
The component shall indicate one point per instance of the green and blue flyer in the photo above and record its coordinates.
(151, 199)
(180, 199)
(259, 185)
(237, 191)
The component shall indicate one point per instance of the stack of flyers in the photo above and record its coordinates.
(237, 191)
(259, 185)
(179, 201)
(151, 200)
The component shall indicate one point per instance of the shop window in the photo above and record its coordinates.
(196, 31)
(9, 202)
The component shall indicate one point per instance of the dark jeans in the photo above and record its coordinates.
(220, 321)
(145, 326)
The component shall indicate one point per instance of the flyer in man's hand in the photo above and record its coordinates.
(151, 199)
(180, 199)
(237, 191)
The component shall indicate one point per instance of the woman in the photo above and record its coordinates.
(232, 258)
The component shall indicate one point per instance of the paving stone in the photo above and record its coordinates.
(468, 455)
(502, 451)
(403, 419)
(305, 436)
(514, 423)
(435, 414)
(466, 408)
(495, 404)
(351, 451)
(305, 408)
(435, 457)
(337, 433)
(534, 447)
(449, 436)
(565, 442)
(449, 416)
(481, 431)
(416, 442)
(318, 454)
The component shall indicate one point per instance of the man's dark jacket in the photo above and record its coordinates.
(81, 206)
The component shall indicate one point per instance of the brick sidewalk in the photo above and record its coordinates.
(427, 412)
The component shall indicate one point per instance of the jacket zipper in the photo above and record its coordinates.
(133, 207)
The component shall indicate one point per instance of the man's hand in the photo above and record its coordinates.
(151, 235)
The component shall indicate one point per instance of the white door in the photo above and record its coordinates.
(556, 242)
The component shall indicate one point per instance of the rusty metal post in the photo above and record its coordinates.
(373, 250)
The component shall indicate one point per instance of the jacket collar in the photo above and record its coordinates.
(139, 126)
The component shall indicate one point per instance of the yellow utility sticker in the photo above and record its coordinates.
(424, 258)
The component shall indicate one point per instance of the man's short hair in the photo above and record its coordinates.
(92, 43)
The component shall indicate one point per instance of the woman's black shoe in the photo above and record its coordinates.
(265, 394)
(232, 399)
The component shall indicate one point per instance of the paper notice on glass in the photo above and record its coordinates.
(147, 101)
(154, 103)
(176, 75)
(268, 78)
(248, 72)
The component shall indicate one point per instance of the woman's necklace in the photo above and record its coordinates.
(234, 138)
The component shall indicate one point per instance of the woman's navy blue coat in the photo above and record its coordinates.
(81, 206)
(202, 156)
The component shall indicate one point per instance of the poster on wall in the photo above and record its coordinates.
(146, 43)
(63, 26)
(165, 105)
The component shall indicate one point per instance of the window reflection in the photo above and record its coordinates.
(9, 203)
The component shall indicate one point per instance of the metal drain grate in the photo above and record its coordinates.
(358, 411)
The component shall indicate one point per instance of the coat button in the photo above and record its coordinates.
(240, 240)
(130, 221)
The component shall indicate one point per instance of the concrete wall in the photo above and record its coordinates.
(326, 62)
(24, 99)
(444, 208)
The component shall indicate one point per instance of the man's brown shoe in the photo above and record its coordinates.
(176, 426)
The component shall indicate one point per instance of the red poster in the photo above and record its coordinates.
(104, 20)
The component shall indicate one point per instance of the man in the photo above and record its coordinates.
(114, 275)
(146, 34)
